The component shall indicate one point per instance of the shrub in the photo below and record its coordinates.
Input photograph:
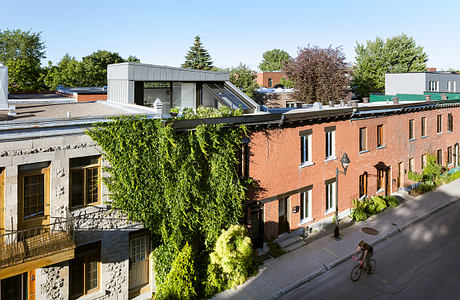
(359, 214)
(392, 201)
(415, 176)
(453, 177)
(379, 204)
(163, 257)
(232, 260)
(179, 283)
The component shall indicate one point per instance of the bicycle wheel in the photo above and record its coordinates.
(372, 264)
(356, 273)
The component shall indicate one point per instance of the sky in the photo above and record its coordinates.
(233, 32)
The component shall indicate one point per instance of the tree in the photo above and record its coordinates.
(274, 60)
(398, 54)
(245, 79)
(319, 74)
(22, 51)
(198, 57)
(95, 66)
(91, 71)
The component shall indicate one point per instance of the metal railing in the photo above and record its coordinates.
(17, 246)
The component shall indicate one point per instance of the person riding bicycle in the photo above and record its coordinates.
(367, 252)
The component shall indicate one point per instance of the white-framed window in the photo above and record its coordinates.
(330, 197)
(305, 148)
(305, 206)
(433, 86)
(330, 144)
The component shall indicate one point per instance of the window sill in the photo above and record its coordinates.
(449, 131)
(305, 221)
(363, 151)
(380, 191)
(413, 139)
(92, 295)
(306, 164)
(439, 132)
(381, 147)
(330, 158)
(424, 136)
(330, 210)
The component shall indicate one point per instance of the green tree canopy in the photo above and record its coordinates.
(198, 57)
(319, 74)
(273, 60)
(245, 79)
(22, 51)
(398, 54)
(91, 71)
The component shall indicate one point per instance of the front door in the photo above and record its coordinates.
(400, 174)
(138, 262)
(15, 288)
(387, 181)
(283, 212)
(2, 204)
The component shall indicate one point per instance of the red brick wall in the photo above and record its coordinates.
(275, 159)
(83, 97)
(262, 78)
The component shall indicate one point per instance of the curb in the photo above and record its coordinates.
(347, 257)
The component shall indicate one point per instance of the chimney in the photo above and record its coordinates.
(317, 105)
(365, 99)
(443, 97)
(354, 103)
(427, 98)
(342, 103)
(395, 100)
(331, 103)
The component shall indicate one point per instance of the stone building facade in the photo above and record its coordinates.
(51, 177)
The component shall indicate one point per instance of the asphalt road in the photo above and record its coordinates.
(422, 262)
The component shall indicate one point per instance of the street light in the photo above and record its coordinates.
(345, 161)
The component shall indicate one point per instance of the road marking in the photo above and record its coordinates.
(330, 252)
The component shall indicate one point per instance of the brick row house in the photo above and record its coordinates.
(294, 164)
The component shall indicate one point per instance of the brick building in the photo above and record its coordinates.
(269, 79)
(294, 164)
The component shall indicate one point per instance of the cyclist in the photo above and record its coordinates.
(367, 252)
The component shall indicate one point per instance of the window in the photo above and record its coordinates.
(439, 157)
(449, 155)
(305, 147)
(330, 195)
(432, 86)
(85, 181)
(439, 124)
(423, 161)
(411, 129)
(423, 126)
(450, 122)
(305, 206)
(380, 178)
(363, 139)
(270, 82)
(33, 192)
(380, 141)
(330, 142)
(448, 86)
(84, 270)
(411, 164)
(363, 184)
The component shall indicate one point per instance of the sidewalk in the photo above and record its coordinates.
(280, 275)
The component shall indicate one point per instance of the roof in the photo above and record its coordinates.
(148, 72)
(82, 90)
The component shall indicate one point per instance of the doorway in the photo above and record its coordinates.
(139, 248)
(283, 215)
(19, 287)
(400, 175)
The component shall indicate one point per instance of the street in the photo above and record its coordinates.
(422, 262)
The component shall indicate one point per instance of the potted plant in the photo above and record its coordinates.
(174, 111)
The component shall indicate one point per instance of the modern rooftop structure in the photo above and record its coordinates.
(143, 84)
(419, 83)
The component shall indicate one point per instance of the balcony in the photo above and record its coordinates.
(25, 250)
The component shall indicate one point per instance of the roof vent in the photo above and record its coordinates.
(365, 99)
(317, 105)
(331, 103)
(395, 100)
(354, 103)
(427, 98)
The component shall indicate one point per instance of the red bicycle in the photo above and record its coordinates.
(358, 269)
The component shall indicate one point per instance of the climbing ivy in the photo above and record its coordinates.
(183, 186)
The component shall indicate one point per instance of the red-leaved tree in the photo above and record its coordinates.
(319, 74)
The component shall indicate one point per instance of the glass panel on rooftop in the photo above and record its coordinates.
(226, 96)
